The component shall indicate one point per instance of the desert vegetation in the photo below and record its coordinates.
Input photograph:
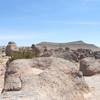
(25, 54)
(22, 52)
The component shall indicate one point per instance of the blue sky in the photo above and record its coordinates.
(33, 21)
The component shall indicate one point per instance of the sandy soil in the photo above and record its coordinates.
(94, 84)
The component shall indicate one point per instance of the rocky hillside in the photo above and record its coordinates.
(72, 45)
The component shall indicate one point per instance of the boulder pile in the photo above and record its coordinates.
(72, 55)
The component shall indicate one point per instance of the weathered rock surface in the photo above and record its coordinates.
(66, 55)
(43, 79)
(11, 47)
(90, 66)
(2, 72)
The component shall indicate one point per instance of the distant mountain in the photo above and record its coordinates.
(72, 45)
(76, 42)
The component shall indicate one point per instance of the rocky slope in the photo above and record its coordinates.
(45, 78)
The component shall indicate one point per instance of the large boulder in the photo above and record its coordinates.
(10, 48)
(90, 66)
(45, 78)
(35, 50)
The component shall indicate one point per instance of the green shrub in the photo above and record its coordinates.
(24, 54)
(67, 49)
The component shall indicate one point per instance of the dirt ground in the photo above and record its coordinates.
(94, 84)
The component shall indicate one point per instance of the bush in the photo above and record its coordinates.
(23, 54)
(67, 49)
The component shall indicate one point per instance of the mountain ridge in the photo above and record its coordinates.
(72, 45)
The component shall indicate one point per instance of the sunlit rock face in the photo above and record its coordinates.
(44, 78)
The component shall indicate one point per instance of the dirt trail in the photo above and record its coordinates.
(94, 84)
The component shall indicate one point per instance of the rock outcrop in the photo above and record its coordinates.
(90, 66)
(2, 75)
(45, 78)
(3, 62)
(10, 48)
(35, 50)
